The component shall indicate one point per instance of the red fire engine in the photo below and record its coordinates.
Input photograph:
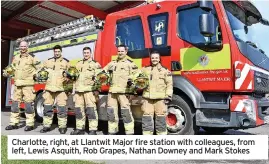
(220, 71)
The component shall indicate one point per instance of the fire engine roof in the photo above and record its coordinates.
(21, 17)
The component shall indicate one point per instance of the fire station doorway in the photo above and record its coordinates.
(5, 45)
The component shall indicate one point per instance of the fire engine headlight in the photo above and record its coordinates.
(250, 109)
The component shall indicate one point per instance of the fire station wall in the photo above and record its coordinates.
(5, 44)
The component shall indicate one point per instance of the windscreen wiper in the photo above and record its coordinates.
(261, 51)
(255, 46)
(252, 44)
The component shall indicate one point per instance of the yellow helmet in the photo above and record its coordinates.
(141, 82)
(42, 75)
(72, 73)
(68, 86)
(102, 78)
(9, 71)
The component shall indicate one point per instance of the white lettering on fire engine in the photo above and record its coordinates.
(213, 79)
(206, 72)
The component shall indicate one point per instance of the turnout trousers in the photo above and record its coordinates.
(112, 113)
(23, 94)
(149, 107)
(61, 101)
(85, 107)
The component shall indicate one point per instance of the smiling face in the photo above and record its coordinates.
(23, 47)
(122, 51)
(87, 54)
(155, 59)
(57, 53)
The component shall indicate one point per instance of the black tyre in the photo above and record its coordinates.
(214, 130)
(39, 107)
(181, 117)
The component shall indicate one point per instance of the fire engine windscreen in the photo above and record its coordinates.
(250, 34)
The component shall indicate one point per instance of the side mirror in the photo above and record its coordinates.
(264, 21)
(206, 5)
(206, 23)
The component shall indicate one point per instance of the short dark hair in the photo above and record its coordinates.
(57, 47)
(122, 45)
(87, 48)
(155, 52)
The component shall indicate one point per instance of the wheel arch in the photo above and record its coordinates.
(182, 87)
(183, 95)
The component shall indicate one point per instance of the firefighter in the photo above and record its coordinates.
(85, 93)
(121, 71)
(25, 66)
(55, 90)
(156, 96)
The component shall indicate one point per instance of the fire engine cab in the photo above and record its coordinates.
(220, 70)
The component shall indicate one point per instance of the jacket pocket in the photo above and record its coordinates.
(161, 86)
(124, 73)
(88, 77)
(62, 66)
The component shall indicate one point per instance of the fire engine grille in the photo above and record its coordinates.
(261, 82)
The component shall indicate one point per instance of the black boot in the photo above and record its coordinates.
(112, 133)
(92, 132)
(62, 130)
(77, 132)
(45, 129)
(29, 128)
(11, 127)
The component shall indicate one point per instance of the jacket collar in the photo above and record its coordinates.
(58, 59)
(158, 66)
(24, 55)
(89, 60)
(122, 60)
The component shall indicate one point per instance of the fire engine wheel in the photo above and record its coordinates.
(180, 117)
(39, 107)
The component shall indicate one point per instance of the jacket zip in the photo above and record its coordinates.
(54, 63)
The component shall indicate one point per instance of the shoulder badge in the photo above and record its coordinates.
(169, 73)
(80, 61)
(37, 63)
(135, 66)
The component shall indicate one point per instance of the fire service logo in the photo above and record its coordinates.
(203, 60)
